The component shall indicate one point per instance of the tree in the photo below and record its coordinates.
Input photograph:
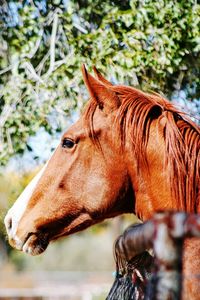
(150, 44)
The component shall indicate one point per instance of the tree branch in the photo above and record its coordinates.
(52, 45)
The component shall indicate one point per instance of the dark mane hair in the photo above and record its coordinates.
(181, 135)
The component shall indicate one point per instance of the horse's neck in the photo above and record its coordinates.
(152, 193)
(161, 183)
(151, 184)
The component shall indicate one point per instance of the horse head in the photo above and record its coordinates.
(85, 181)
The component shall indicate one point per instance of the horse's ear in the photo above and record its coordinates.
(100, 77)
(100, 92)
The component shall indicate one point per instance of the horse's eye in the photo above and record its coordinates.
(67, 143)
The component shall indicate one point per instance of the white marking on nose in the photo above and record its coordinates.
(16, 212)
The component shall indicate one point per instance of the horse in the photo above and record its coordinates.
(130, 152)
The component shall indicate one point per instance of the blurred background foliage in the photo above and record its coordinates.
(153, 45)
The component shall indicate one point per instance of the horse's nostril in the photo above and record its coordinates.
(8, 223)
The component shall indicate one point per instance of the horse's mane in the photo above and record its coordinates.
(181, 136)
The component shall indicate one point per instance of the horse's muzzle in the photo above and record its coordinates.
(33, 243)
